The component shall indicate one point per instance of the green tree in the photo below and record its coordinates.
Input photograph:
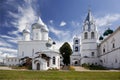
(66, 51)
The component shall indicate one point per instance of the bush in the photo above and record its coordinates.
(53, 69)
(71, 68)
(93, 67)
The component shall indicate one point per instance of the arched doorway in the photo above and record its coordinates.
(38, 66)
(76, 62)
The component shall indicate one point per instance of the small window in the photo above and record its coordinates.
(32, 52)
(8, 60)
(103, 50)
(93, 54)
(115, 60)
(113, 45)
(86, 35)
(15, 60)
(76, 41)
(54, 60)
(76, 49)
(92, 35)
(22, 53)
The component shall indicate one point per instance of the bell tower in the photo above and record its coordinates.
(89, 38)
(75, 57)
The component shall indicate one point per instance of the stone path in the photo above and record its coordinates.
(79, 68)
(5, 68)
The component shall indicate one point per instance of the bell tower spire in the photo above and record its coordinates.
(89, 40)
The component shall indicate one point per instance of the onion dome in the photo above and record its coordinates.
(107, 32)
(101, 38)
(36, 26)
(26, 31)
(40, 25)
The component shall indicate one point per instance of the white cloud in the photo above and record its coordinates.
(63, 36)
(51, 21)
(26, 15)
(63, 23)
(75, 24)
(107, 20)
(59, 33)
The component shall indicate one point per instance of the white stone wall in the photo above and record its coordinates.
(37, 35)
(90, 61)
(29, 48)
(44, 35)
(111, 57)
(43, 63)
(12, 61)
(26, 36)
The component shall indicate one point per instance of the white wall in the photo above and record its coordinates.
(12, 61)
(29, 48)
(111, 56)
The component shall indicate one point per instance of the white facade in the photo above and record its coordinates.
(110, 50)
(38, 46)
(105, 52)
(89, 40)
(75, 57)
(12, 61)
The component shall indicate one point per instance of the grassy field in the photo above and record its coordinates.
(57, 75)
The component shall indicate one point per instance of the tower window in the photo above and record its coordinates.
(86, 35)
(103, 50)
(115, 60)
(76, 41)
(113, 45)
(22, 53)
(76, 49)
(54, 60)
(92, 35)
(93, 54)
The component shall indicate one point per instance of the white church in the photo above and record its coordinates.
(91, 48)
(38, 46)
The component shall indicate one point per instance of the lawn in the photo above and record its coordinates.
(57, 75)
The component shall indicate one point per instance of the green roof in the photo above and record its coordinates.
(107, 32)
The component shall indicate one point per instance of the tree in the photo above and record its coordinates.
(66, 51)
(27, 62)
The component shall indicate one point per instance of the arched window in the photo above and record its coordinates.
(93, 54)
(76, 49)
(54, 60)
(76, 41)
(86, 35)
(92, 35)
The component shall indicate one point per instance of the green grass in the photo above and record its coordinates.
(57, 75)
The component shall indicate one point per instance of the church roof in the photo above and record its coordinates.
(26, 31)
(40, 24)
(89, 16)
(101, 38)
(107, 32)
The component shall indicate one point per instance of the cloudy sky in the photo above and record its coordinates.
(64, 19)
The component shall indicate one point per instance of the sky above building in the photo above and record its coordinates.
(64, 19)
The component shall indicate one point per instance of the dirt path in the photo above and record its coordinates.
(79, 68)
(5, 68)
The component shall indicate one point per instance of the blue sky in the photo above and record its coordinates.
(64, 19)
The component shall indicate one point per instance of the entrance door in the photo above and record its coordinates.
(38, 66)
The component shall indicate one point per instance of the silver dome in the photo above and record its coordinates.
(40, 25)
(26, 31)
